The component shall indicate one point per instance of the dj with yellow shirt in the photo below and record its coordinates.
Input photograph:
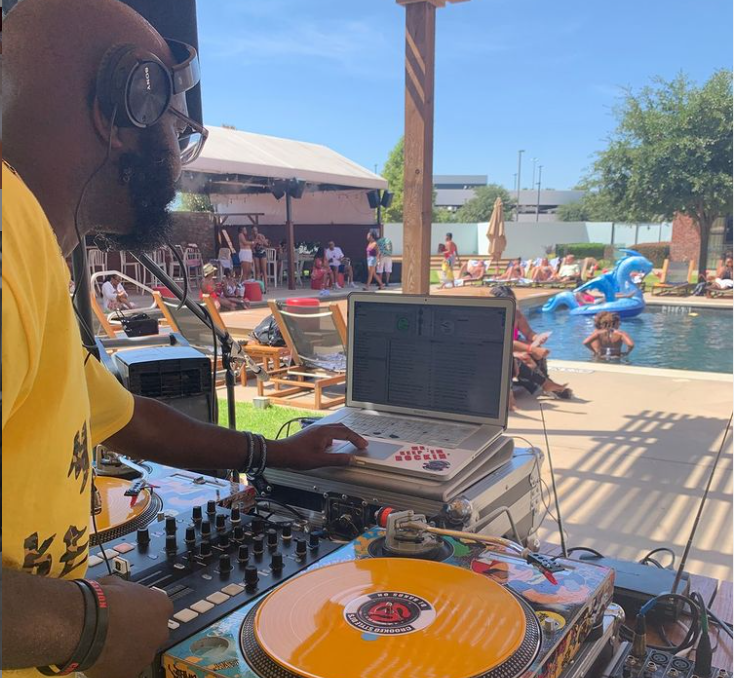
(82, 154)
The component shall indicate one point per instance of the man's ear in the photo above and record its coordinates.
(102, 125)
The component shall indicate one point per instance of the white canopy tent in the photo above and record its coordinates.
(230, 151)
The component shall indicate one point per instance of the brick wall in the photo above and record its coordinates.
(685, 240)
(194, 227)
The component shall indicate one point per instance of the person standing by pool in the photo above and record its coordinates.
(245, 254)
(450, 255)
(260, 257)
(384, 258)
(607, 340)
(372, 252)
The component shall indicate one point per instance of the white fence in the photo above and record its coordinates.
(529, 239)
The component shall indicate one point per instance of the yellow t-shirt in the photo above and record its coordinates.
(55, 408)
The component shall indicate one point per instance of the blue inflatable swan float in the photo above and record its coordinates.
(617, 281)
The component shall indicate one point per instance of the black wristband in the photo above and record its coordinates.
(85, 639)
(100, 630)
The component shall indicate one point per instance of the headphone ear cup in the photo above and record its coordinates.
(112, 79)
(135, 84)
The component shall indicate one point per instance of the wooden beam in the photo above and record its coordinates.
(420, 41)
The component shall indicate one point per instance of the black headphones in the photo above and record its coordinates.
(135, 85)
(139, 88)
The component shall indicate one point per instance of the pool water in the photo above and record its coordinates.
(675, 337)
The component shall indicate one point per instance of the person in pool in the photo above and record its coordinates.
(607, 340)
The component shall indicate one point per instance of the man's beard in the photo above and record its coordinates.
(149, 176)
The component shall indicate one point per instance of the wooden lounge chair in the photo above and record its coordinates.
(316, 342)
(675, 279)
(269, 357)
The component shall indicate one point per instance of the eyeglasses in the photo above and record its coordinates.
(191, 138)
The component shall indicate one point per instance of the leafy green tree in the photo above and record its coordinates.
(672, 153)
(594, 205)
(480, 207)
(196, 202)
(441, 215)
(393, 171)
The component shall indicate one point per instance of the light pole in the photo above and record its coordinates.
(537, 204)
(519, 182)
(535, 160)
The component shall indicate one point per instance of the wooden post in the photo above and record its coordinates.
(420, 42)
(291, 237)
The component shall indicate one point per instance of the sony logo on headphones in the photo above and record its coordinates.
(147, 78)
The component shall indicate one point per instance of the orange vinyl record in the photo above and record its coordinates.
(391, 617)
(117, 516)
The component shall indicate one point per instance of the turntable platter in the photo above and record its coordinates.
(117, 516)
(390, 617)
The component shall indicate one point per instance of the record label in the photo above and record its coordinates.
(389, 613)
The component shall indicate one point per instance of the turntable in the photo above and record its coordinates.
(466, 611)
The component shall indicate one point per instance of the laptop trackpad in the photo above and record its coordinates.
(377, 449)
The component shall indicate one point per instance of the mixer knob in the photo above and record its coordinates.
(313, 540)
(300, 547)
(196, 514)
(221, 522)
(190, 537)
(251, 577)
(276, 562)
(239, 533)
(223, 541)
(205, 549)
(235, 515)
(243, 553)
(258, 525)
(211, 507)
(247, 539)
(171, 545)
(272, 538)
(257, 545)
(287, 532)
(206, 529)
(143, 536)
(170, 525)
(225, 563)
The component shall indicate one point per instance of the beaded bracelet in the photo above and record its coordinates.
(263, 456)
(250, 452)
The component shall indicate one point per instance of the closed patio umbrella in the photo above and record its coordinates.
(496, 232)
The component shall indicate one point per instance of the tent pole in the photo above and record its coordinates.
(291, 243)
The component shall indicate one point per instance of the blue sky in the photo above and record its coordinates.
(510, 74)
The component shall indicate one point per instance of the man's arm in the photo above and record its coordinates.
(159, 433)
(43, 619)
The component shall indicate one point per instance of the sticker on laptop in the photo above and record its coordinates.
(433, 458)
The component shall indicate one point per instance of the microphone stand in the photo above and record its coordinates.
(233, 355)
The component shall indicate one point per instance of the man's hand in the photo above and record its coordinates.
(307, 449)
(138, 626)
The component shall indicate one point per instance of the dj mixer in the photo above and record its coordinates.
(209, 560)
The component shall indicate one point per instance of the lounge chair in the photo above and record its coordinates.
(675, 279)
(269, 357)
(317, 344)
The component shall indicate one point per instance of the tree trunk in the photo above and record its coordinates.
(704, 228)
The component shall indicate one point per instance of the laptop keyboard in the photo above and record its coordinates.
(416, 431)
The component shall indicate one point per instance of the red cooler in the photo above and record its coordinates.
(305, 306)
(253, 291)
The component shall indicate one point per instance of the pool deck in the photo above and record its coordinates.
(631, 453)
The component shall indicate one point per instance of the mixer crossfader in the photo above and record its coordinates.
(209, 561)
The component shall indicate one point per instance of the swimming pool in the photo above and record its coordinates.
(675, 337)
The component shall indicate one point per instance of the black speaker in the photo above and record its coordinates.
(179, 376)
(373, 197)
(386, 199)
(175, 20)
(296, 188)
(278, 189)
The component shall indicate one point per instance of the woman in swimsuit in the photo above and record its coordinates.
(372, 251)
(607, 339)
(245, 254)
(259, 243)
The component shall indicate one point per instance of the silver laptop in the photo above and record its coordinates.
(428, 380)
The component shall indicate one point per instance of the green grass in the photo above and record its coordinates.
(266, 422)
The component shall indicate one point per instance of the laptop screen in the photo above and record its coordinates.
(434, 357)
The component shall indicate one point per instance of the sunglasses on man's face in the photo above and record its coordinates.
(191, 137)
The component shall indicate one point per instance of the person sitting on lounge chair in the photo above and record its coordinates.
(723, 280)
(514, 270)
(544, 272)
(569, 270)
(473, 269)
(114, 296)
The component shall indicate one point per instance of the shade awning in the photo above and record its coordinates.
(230, 151)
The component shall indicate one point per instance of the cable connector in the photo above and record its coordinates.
(639, 640)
